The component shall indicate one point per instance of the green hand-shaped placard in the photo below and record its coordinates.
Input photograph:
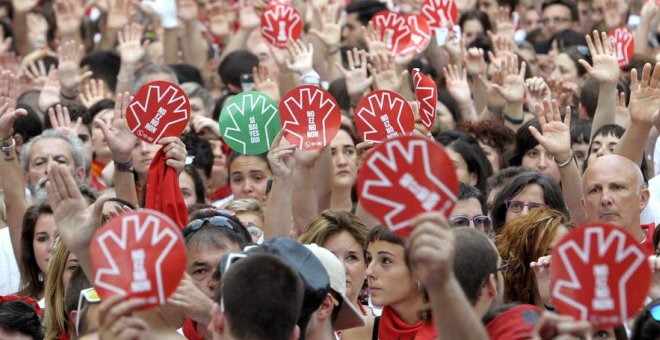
(249, 122)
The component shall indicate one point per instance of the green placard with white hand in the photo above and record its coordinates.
(249, 122)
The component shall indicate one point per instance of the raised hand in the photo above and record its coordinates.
(121, 140)
(36, 72)
(247, 16)
(69, 55)
(556, 135)
(612, 14)
(187, 10)
(118, 320)
(280, 157)
(330, 33)
(5, 43)
(8, 89)
(474, 62)
(175, 152)
(7, 117)
(130, 48)
(541, 268)
(457, 84)
(93, 92)
(191, 300)
(77, 221)
(432, 249)
(68, 16)
(513, 80)
(50, 92)
(266, 82)
(300, 57)
(375, 45)
(504, 25)
(537, 90)
(22, 6)
(356, 76)
(644, 96)
(605, 67)
(118, 15)
(203, 126)
(37, 29)
(384, 74)
(60, 120)
(219, 18)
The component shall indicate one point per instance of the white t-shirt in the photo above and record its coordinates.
(10, 277)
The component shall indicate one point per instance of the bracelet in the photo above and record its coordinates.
(565, 163)
(125, 167)
(7, 137)
(513, 120)
(310, 78)
(69, 97)
(7, 149)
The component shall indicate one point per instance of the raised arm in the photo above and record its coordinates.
(194, 47)
(643, 106)
(555, 137)
(278, 215)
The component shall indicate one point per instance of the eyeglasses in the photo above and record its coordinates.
(480, 221)
(216, 221)
(517, 206)
(504, 267)
(556, 20)
(89, 295)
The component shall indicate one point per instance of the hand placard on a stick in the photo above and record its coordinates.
(427, 96)
(159, 109)
(420, 34)
(440, 13)
(310, 117)
(139, 254)
(394, 30)
(623, 43)
(281, 24)
(599, 274)
(383, 114)
(404, 177)
(249, 122)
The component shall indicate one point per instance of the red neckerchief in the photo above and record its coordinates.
(190, 330)
(391, 327)
(64, 336)
(163, 191)
(647, 244)
(220, 193)
(362, 309)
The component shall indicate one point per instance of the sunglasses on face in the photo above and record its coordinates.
(90, 295)
(518, 206)
(480, 221)
(215, 221)
(654, 311)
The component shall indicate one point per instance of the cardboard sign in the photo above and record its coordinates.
(138, 254)
(440, 13)
(310, 117)
(420, 34)
(426, 93)
(383, 114)
(404, 177)
(249, 122)
(623, 43)
(394, 30)
(281, 24)
(599, 274)
(159, 109)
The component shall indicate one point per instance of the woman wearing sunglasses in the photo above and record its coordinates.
(470, 209)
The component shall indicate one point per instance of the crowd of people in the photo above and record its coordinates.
(548, 122)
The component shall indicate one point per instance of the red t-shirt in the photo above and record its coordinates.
(647, 244)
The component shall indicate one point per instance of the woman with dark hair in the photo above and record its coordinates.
(394, 285)
(568, 74)
(470, 161)
(530, 154)
(192, 187)
(522, 194)
(37, 238)
(495, 138)
(19, 319)
(473, 23)
(603, 143)
(249, 176)
(344, 169)
(647, 323)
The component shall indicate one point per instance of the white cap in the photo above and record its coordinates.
(348, 316)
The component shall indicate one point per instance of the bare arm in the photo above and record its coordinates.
(278, 215)
(194, 48)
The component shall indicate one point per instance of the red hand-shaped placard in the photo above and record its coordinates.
(281, 24)
(599, 274)
(623, 43)
(159, 109)
(427, 97)
(420, 34)
(138, 254)
(404, 177)
(310, 117)
(440, 13)
(394, 30)
(383, 114)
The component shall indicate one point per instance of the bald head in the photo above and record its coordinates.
(613, 188)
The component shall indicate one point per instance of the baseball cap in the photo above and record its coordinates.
(348, 316)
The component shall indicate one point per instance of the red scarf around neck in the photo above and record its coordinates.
(391, 327)
(163, 191)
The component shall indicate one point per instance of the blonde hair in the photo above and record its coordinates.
(522, 241)
(55, 320)
(331, 222)
(246, 205)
